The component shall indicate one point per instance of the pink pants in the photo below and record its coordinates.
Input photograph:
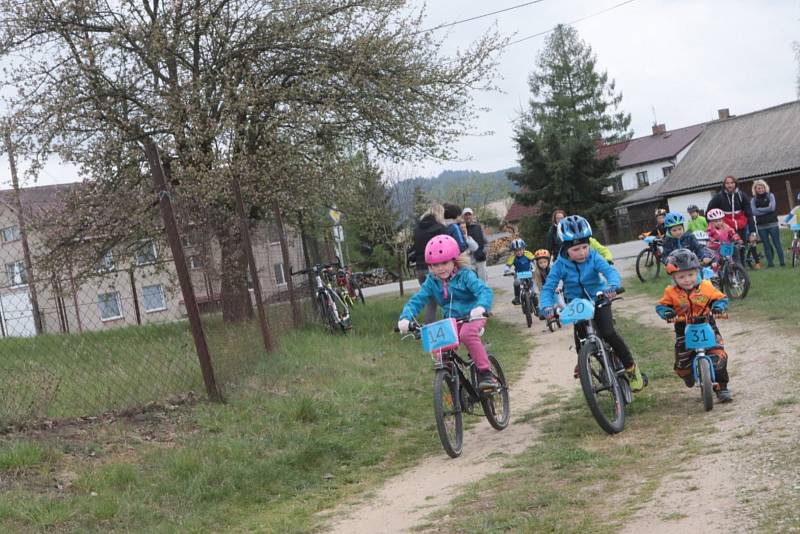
(469, 335)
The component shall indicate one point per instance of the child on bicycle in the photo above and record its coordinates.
(542, 258)
(579, 268)
(522, 261)
(460, 293)
(719, 232)
(659, 229)
(678, 238)
(697, 223)
(690, 296)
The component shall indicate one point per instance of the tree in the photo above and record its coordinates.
(573, 108)
(262, 92)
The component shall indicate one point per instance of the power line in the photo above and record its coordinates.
(449, 24)
(606, 10)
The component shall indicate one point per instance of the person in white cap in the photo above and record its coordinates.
(475, 231)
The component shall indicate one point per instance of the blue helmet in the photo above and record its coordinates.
(673, 219)
(517, 244)
(574, 228)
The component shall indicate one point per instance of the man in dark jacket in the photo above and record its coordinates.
(430, 225)
(736, 206)
(475, 231)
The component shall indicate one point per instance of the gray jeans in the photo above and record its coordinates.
(430, 309)
(480, 270)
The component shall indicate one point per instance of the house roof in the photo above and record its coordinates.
(41, 198)
(615, 149)
(646, 194)
(657, 147)
(519, 211)
(756, 144)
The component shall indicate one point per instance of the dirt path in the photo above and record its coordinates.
(406, 499)
(720, 490)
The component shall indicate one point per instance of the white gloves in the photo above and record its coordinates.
(402, 325)
(477, 313)
(507, 269)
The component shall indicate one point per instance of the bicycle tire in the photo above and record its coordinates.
(526, 308)
(706, 386)
(612, 404)
(326, 312)
(646, 263)
(490, 402)
(360, 294)
(795, 253)
(340, 311)
(736, 281)
(445, 408)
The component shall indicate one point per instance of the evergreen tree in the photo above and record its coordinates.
(573, 108)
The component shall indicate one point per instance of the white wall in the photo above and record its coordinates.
(681, 202)
(654, 173)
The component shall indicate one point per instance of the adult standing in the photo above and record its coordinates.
(736, 206)
(551, 240)
(475, 231)
(430, 225)
(763, 206)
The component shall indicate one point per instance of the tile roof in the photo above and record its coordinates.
(658, 147)
(605, 151)
(519, 211)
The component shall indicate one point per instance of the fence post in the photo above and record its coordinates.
(135, 298)
(296, 319)
(791, 194)
(400, 268)
(266, 337)
(171, 227)
(74, 291)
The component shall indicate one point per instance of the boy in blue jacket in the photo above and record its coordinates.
(579, 268)
(677, 237)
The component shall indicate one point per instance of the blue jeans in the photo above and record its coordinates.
(774, 234)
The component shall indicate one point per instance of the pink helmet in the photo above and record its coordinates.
(715, 214)
(441, 248)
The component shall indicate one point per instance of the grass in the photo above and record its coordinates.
(564, 482)
(322, 419)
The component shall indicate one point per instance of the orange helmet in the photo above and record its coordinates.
(541, 253)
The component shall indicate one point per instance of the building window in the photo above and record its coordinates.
(16, 274)
(153, 298)
(280, 274)
(10, 234)
(197, 262)
(641, 179)
(106, 262)
(272, 233)
(667, 170)
(616, 183)
(146, 253)
(110, 306)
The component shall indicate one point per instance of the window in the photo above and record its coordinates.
(146, 253)
(280, 274)
(666, 170)
(641, 179)
(10, 234)
(153, 298)
(110, 306)
(106, 262)
(16, 274)
(197, 262)
(272, 233)
(616, 183)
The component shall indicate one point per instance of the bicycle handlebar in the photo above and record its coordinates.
(414, 326)
(315, 268)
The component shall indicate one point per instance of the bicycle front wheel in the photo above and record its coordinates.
(496, 404)
(647, 265)
(706, 387)
(449, 423)
(795, 252)
(601, 389)
(737, 281)
(526, 308)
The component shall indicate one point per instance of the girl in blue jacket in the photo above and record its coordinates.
(460, 293)
(579, 269)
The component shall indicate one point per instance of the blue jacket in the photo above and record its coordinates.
(687, 240)
(454, 231)
(581, 280)
(465, 291)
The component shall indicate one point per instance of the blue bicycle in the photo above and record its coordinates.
(700, 337)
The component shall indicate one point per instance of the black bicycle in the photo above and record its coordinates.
(527, 298)
(333, 311)
(732, 279)
(648, 262)
(454, 394)
(603, 378)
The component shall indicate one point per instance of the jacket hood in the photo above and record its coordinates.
(427, 221)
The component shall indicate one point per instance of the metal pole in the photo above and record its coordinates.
(400, 268)
(135, 298)
(266, 337)
(171, 227)
(296, 318)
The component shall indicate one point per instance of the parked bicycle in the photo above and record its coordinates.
(700, 337)
(648, 262)
(348, 285)
(453, 393)
(603, 378)
(333, 311)
(795, 248)
(732, 279)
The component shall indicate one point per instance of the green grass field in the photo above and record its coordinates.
(321, 419)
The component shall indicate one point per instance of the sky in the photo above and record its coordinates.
(683, 59)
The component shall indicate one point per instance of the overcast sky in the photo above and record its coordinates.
(685, 58)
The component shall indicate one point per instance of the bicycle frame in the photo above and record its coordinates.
(451, 361)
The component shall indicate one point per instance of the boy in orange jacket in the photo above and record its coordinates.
(691, 296)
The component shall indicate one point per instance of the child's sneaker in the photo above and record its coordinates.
(723, 395)
(515, 301)
(577, 372)
(688, 380)
(757, 265)
(486, 381)
(635, 378)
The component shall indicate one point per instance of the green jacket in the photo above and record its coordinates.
(697, 225)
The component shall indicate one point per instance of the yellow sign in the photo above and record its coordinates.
(335, 215)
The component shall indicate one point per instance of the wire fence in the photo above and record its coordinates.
(120, 337)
